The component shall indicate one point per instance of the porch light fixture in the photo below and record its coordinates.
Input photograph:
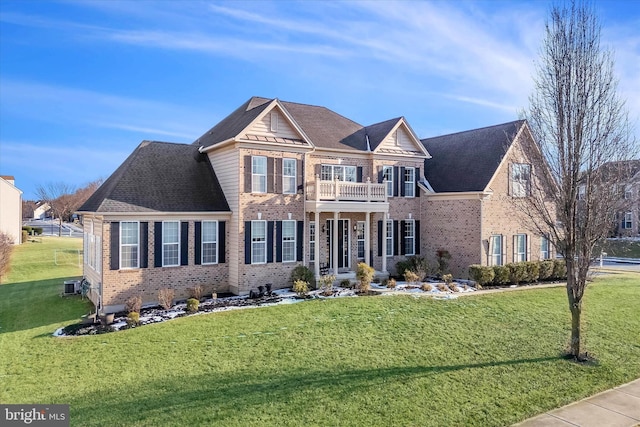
(289, 215)
(259, 215)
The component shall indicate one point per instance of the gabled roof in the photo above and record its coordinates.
(622, 170)
(160, 177)
(466, 161)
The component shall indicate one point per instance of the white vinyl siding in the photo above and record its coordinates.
(289, 176)
(258, 174)
(288, 241)
(209, 242)
(170, 243)
(258, 242)
(129, 244)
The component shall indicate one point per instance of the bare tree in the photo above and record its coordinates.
(58, 196)
(581, 125)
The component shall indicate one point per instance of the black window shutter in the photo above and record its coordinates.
(197, 249)
(417, 178)
(278, 187)
(402, 237)
(144, 245)
(247, 174)
(299, 240)
(402, 179)
(359, 174)
(157, 244)
(247, 242)
(278, 241)
(270, 177)
(396, 180)
(380, 174)
(115, 246)
(396, 237)
(417, 237)
(270, 241)
(222, 242)
(300, 175)
(380, 238)
(184, 243)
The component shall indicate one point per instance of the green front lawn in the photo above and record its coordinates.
(478, 360)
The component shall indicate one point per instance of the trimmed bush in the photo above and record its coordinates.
(133, 319)
(517, 272)
(546, 269)
(192, 305)
(559, 269)
(364, 274)
(500, 274)
(481, 274)
(37, 230)
(302, 272)
(417, 264)
(25, 236)
(301, 287)
(532, 271)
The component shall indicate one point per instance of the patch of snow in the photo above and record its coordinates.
(59, 332)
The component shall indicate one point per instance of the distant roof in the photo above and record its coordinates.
(160, 177)
(466, 161)
(624, 170)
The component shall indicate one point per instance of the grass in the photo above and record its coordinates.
(480, 360)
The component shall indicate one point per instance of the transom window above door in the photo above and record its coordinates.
(341, 173)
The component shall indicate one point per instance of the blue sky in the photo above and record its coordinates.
(83, 82)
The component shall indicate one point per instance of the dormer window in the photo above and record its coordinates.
(274, 121)
(520, 180)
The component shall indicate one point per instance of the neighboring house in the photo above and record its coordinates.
(628, 188)
(10, 208)
(41, 209)
(278, 184)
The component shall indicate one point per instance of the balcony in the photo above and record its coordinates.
(341, 191)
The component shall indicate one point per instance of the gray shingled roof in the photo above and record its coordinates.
(466, 161)
(160, 177)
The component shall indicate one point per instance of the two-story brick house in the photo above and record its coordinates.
(278, 184)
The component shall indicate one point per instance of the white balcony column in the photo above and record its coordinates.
(335, 243)
(368, 193)
(384, 243)
(317, 189)
(316, 246)
(367, 238)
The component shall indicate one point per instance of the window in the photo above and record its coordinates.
(544, 248)
(409, 237)
(389, 238)
(340, 173)
(258, 174)
(627, 223)
(289, 176)
(581, 192)
(519, 247)
(170, 243)
(409, 182)
(274, 121)
(387, 175)
(209, 242)
(520, 180)
(258, 242)
(627, 192)
(496, 250)
(312, 241)
(129, 241)
(360, 238)
(288, 241)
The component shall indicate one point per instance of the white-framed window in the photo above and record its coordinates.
(258, 174)
(170, 243)
(337, 172)
(129, 244)
(627, 191)
(288, 241)
(273, 121)
(389, 237)
(627, 224)
(209, 249)
(409, 237)
(545, 248)
(496, 250)
(258, 242)
(520, 180)
(387, 175)
(582, 189)
(409, 182)
(312, 241)
(360, 238)
(289, 176)
(519, 247)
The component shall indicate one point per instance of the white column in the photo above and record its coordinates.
(367, 238)
(335, 243)
(384, 243)
(316, 246)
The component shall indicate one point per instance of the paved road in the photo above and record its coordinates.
(52, 228)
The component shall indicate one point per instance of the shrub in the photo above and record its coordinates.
(453, 287)
(391, 283)
(27, 228)
(37, 230)
(346, 283)
(133, 319)
(302, 272)
(133, 303)
(364, 274)
(426, 287)
(192, 305)
(442, 287)
(417, 264)
(559, 269)
(411, 277)
(517, 272)
(443, 257)
(165, 298)
(500, 274)
(532, 271)
(301, 287)
(326, 284)
(6, 248)
(25, 237)
(546, 269)
(196, 292)
(481, 274)
(448, 278)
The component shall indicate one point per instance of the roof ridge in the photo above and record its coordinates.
(474, 130)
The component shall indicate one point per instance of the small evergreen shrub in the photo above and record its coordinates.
(559, 269)
(133, 319)
(500, 274)
(165, 298)
(546, 269)
(481, 274)
(25, 236)
(517, 272)
(192, 305)
(301, 287)
(37, 230)
(302, 272)
(532, 271)
(133, 304)
(346, 283)
(364, 274)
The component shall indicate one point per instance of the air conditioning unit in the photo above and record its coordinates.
(72, 287)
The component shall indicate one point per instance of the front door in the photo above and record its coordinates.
(344, 243)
